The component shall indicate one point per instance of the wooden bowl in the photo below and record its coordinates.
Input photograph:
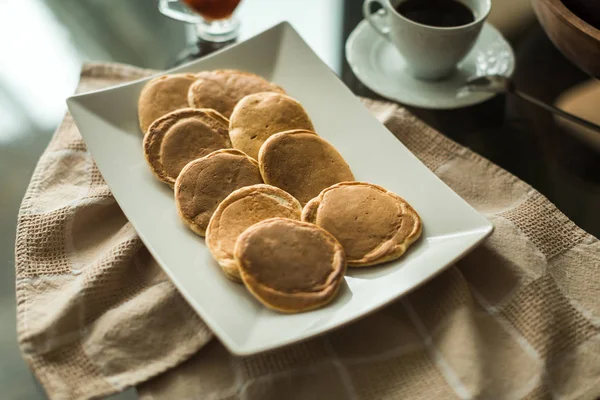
(577, 39)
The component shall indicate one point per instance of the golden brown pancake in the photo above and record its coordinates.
(222, 89)
(205, 182)
(240, 210)
(182, 136)
(302, 164)
(261, 115)
(162, 95)
(290, 266)
(372, 224)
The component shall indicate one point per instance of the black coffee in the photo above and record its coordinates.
(443, 13)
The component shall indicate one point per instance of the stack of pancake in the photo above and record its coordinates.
(278, 205)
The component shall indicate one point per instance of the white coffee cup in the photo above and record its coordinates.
(431, 52)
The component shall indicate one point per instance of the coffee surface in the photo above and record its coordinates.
(441, 13)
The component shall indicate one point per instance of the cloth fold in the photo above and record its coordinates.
(519, 317)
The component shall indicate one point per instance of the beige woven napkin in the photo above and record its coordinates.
(519, 317)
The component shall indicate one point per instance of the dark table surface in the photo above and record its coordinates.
(42, 57)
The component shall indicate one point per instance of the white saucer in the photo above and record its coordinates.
(378, 65)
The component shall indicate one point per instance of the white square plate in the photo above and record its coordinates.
(107, 120)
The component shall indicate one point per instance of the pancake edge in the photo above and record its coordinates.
(314, 299)
(310, 211)
(177, 186)
(269, 143)
(228, 264)
(202, 75)
(149, 83)
(156, 133)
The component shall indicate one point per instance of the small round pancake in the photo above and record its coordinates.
(240, 210)
(222, 89)
(162, 95)
(290, 266)
(259, 116)
(302, 164)
(372, 224)
(205, 182)
(182, 136)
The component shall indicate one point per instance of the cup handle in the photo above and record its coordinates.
(382, 29)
